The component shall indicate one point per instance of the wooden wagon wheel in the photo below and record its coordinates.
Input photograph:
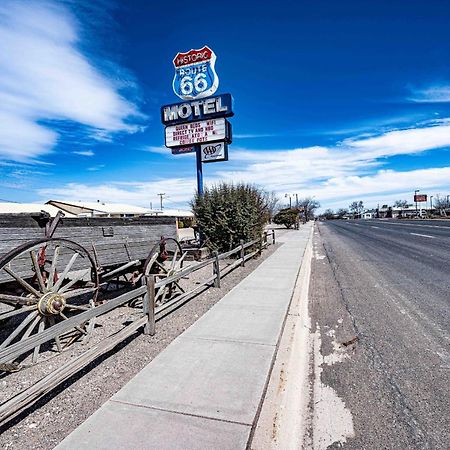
(44, 282)
(164, 260)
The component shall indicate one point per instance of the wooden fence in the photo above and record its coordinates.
(151, 314)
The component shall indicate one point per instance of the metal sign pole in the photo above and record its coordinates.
(199, 170)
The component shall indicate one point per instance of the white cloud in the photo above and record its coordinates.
(45, 76)
(178, 192)
(433, 94)
(408, 141)
(95, 168)
(84, 153)
(334, 175)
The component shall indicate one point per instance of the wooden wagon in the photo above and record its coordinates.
(53, 269)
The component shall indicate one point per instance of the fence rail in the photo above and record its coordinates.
(151, 314)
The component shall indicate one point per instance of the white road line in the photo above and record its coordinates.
(372, 226)
(416, 225)
(423, 235)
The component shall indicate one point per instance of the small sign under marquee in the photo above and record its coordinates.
(216, 151)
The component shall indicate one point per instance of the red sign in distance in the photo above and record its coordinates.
(420, 198)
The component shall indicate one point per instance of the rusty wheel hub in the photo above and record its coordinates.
(51, 303)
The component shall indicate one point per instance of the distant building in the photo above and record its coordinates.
(98, 209)
(31, 208)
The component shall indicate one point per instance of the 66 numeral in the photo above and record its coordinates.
(188, 84)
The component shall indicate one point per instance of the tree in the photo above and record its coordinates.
(287, 217)
(328, 214)
(400, 204)
(356, 208)
(272, 201)
(341, 212)
(309, 206)
(227, 213)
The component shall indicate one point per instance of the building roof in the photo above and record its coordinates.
(170, 213)
(97, 208)
(24, 208)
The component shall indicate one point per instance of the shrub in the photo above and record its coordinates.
(227, 213)
(287, 217)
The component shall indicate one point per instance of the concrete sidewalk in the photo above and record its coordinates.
(205, 389)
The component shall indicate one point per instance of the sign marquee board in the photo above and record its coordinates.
(202, 131)
(195, 75)
(219, 106)
(216, 151)
(420, 198)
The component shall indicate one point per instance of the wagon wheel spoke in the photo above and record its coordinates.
(75, 280)
(16, 312)
(57, 338)
(53, 267)
(37, 270)
(19, 329)
(38, 347)
(160, 294)
(180, 261)
(76, 327)
(77, 307)
(174, 259)
(162, 267)
(179, 287)
(22, 282)
(15, 300)
(30, 328)
(66, 271)
(79, 292)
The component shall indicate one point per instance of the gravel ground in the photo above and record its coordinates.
(47, 423)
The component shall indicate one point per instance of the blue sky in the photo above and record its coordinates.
(343, 100)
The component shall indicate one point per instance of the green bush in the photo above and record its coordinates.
(227, 213)
(287, 217)
(180, 224)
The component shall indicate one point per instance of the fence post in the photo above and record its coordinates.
(216, 269)
(265, 239)
(260, 245)
(242, 253)
(149, 306)
(273, 237)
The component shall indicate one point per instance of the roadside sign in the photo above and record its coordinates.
(183, 150)
(214, 152)
(420, 198)
(195, 75)
(208, 108)
(200, 132)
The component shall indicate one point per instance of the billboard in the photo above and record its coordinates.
(420, 198)
(200, 132)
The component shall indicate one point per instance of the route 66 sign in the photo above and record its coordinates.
(195, 76)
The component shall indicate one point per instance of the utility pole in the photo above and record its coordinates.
(290, 199)
(431, 205)
(161, 196)
(296, 201)
(415, 199)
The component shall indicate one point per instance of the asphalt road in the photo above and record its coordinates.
(385, 286)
